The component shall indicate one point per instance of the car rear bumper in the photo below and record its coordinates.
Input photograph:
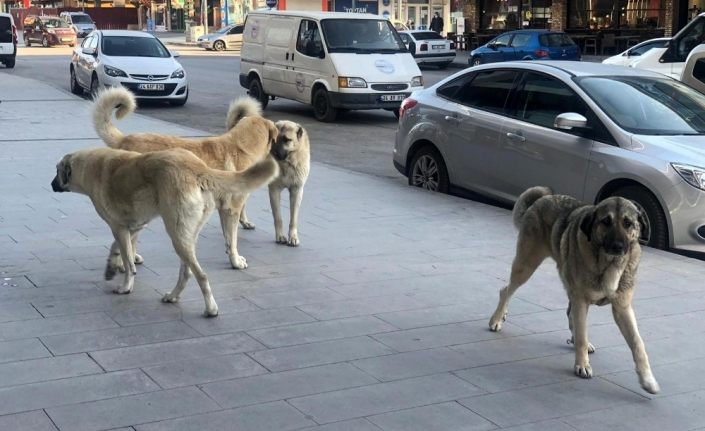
(6, 55)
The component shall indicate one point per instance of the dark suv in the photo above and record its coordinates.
(48, 31)
(8, 40)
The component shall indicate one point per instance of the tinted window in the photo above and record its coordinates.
(309, 40)
(521, 39)
(5, 30)
(449, 89)
(130, 46)
(645, 47)
(81, 19)
(489, 91)
(555, 40)
(542, 98)
(236, 30)
(361, 35)
(55, 23)
(404, 37)
(694, 37)
(428, 35)
(502, 40)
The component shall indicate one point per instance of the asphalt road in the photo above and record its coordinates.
(360, 141)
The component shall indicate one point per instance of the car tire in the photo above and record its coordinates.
(27, 42)
(45, 42)
(655, 233)
(95, 87)
(443, 66)
(75, 86)
(10, 63)
(475, 61)
(323, 110)
(219, 45)
(427, 170)
(257, 92)
(180, 102)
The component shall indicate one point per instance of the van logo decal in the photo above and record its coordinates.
(384, 66)
(300, 80)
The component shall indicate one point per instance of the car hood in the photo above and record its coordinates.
(676, 149)
(144, 65)
(374, 68)
(210, 36)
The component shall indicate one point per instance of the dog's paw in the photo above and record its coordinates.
(583, 370)
(281, 239)
(496, 322)
(139, 260)
(238, 262)
(110, 272)
(211, 312)
(170, 298)
(590, 348)
(247, 225)
(649, 384)
(293, 241)
(122, 290)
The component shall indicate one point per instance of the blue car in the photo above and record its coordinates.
(526, 45)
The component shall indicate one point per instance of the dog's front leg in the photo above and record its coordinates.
(274, 197)
(578, 314)
(114, 262)
(229, 223)
(122, 236)
(184, 275)
(296, 193)
(626, 321)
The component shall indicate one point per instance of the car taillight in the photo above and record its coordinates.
(424, 47)
(407, 104)
(14, 34)
(541, 53)
(452, 45)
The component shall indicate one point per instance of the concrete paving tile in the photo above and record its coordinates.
(557, 320)
(445, 335)
(350, 425)
(383, 397)
(675, 378)
(15, 281)
(132, 410)
(320, 331)
(444, 416)
(400, 286)
(284, 283)
(117, 337)
(294, 298)
(668, 350)
(549, 401)
(225, 306)
(34, 421)
(204, 370)
(413, 364)
(249, 320)
(101, 300)
(73, 390)
(16, 311)
(19, 294)
(44, 369)
(325, 352)
(55, 325)
(22, 350)
(360, 307)
(137, 314)
(552, 425)
(378, 272)
(271, 416)
(286, 384)
(171, 351)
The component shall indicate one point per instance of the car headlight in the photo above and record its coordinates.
(178, 73)
(345, 82)
(114, 71)
(693, 175)
(417, 81)
(51, 30)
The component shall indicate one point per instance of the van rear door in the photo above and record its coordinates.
(279, 42)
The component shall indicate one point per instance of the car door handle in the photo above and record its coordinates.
(287, 55)
(451, 119)
(515, 137)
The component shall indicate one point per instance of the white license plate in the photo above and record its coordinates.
(155, 87)
(66, 39)
(438, 46)
(393, 97)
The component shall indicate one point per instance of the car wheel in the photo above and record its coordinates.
(45, 42)
(476, 61)
(10, 63)
(95, 87)
(428, 171)
(180, 102)
(75, 87)
(219, 45)
(444, 65)
(654, 232)
(257, 92)
(72, 45)
(27, 42)
(322, 108)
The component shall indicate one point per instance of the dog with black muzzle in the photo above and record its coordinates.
(597, 251)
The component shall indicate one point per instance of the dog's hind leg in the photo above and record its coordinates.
(244, 222)
(525, 263)
(624, 316)
(114, 263)
(571, 340)
(274, 201)
(122, 237)
(296, 193)
(139, 260)
(229, 213)
(184, 275)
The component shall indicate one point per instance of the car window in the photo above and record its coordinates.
(541, 98)
(134, 46)
(55, 23)
(555, 40)
(449, 89)
(87, 42)
(489, 90)
(309, 41)
(5, 30)
(694, 37)
(427, 35)
(364, 36)
(94, 43)
(521, 40)
(645, 47)
(236, 30)
(80, 19)
(405, 37)
(502, 40)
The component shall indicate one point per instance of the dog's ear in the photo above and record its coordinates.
(299, 133)
(586, 224)
(65, 173)
(273, 133)
(642, 219)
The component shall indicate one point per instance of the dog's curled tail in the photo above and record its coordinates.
(525, 201)
(118, 99)
(240, 108)
(259, 174)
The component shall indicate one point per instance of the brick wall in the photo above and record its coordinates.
(559, 15)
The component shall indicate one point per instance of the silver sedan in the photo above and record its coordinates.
(588, 130)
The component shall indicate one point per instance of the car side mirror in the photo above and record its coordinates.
(492, 46)
(570, 121)
(89, 51)
(321, 54)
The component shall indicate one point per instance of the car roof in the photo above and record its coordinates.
(574, 68)
(133, 33)
(73, 13)
(319, 15)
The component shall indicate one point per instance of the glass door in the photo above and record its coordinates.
(418, 16)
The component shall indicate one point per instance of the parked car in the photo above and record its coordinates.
(588, 130)
(526, 45)
(48, 30)
(81, 22)
(8, 40)
(132, 59)
(632, 54)
(429, 47)
(229, 37)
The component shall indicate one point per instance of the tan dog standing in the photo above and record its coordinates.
(247, 141)
(597, 252)
(129, 189)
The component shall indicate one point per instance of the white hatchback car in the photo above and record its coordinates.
(429, 47)
(635, 52)
(135, 60)
(229, 37)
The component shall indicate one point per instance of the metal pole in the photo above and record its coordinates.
(225, 10)
(204, 15)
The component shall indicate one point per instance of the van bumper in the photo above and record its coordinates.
(364, 100)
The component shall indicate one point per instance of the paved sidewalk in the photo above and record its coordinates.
(378, 321)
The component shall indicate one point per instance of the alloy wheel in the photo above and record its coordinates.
(425, 173)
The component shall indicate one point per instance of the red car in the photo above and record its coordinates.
(48, 31)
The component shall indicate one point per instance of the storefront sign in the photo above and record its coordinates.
(357, 6)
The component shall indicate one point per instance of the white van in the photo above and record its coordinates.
(8, 40)
(331, 60)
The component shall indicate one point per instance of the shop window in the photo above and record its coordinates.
(610, 14)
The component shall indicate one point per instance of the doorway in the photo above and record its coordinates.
(418, 16)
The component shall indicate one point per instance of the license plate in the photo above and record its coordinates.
(155, 87)
(438, 46)
(66, 39)
(393, 97)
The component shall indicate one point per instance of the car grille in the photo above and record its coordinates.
(150, 77)
(389, 87)
(168, 89)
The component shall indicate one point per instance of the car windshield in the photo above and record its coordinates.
(648, 106)
(427, 35)
(134, 46)
(556, 40)
(55, 23)
(362, 36)
(81, 19)
(225, 29)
